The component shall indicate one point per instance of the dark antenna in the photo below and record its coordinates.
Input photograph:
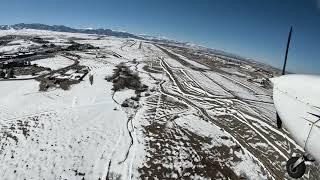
(285, 60)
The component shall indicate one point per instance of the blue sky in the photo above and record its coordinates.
(256, 29)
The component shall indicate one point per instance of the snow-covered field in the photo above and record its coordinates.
(191, 123)
(54, 63)
(18, 45)
(57, 133)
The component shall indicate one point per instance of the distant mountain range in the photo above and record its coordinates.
(61, 28)
(100, 31)
(109, 32)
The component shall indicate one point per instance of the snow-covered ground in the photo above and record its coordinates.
(66, 131)
(191, 123)
(17, 45)
(54, 63)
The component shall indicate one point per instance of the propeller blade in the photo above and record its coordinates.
(287, 50)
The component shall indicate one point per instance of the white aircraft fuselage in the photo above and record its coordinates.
(297, 101)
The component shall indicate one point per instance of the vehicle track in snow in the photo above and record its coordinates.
(204, 112)
(240, 126)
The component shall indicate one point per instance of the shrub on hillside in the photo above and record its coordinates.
(123, 77)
